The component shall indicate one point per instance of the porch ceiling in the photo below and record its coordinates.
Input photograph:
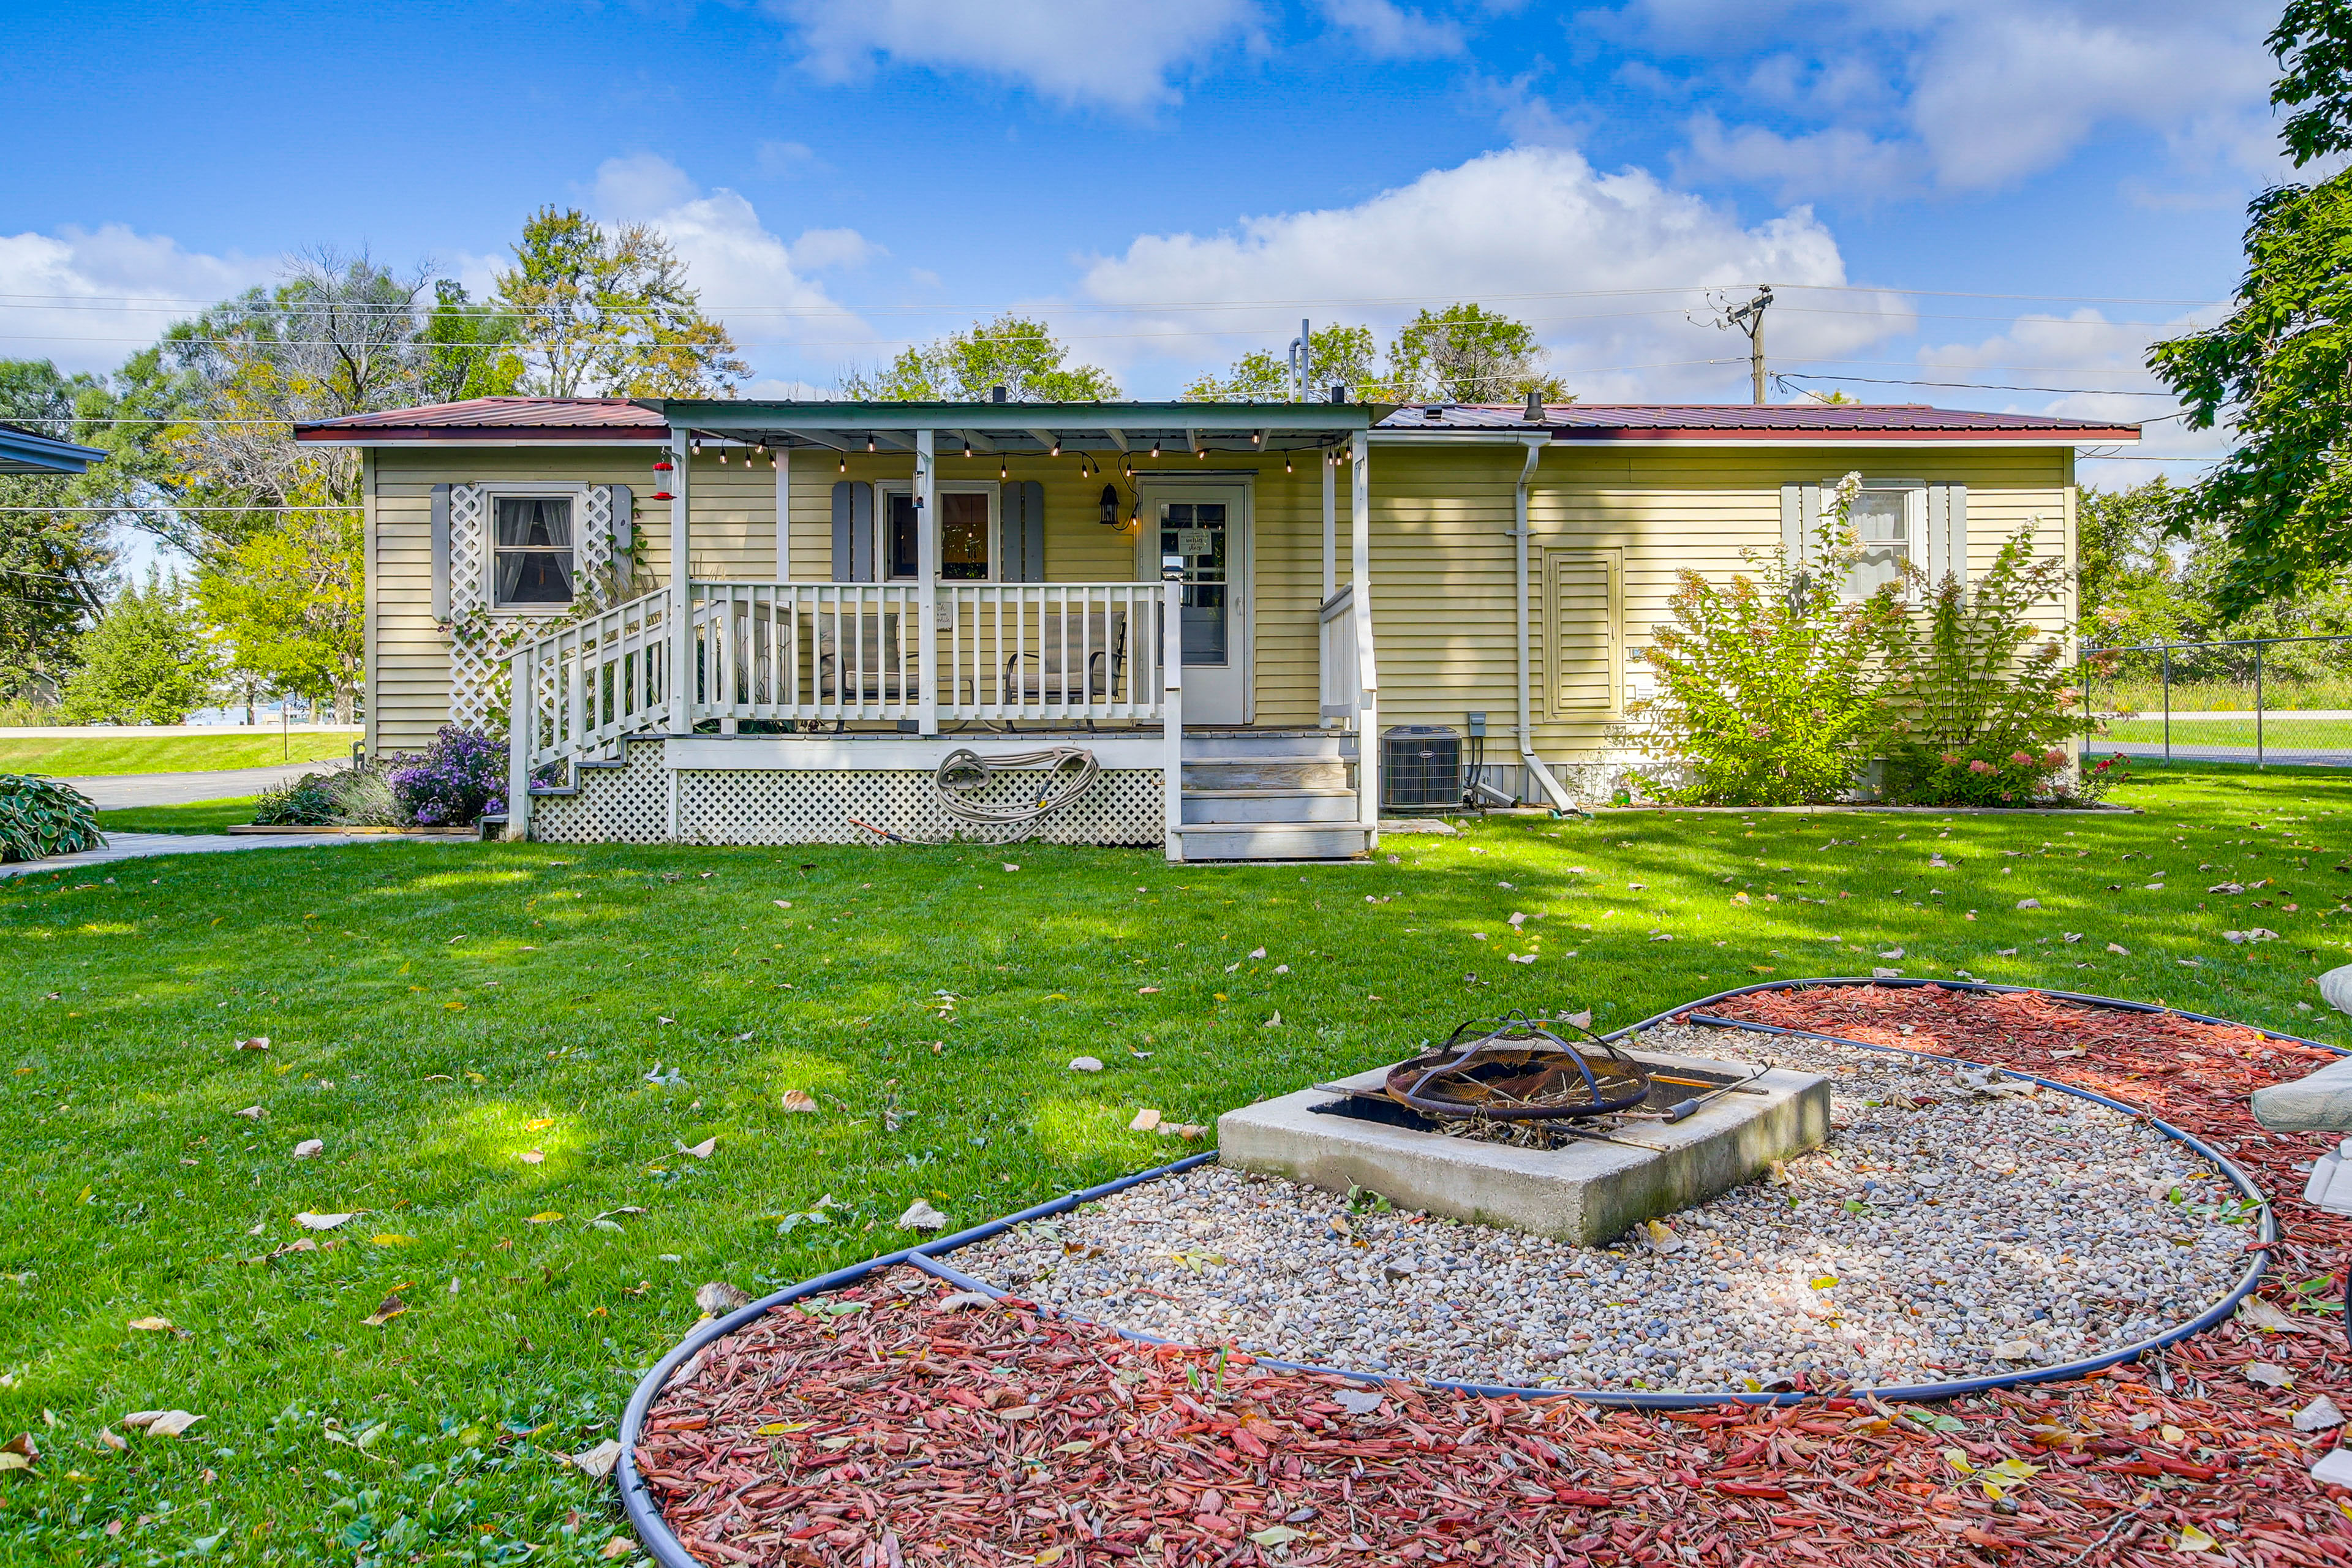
(1025, 429)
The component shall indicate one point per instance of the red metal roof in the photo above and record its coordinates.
(503, 418)
(1781, 421)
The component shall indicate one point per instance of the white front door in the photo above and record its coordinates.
(1206, 522)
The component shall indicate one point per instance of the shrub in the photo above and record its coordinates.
(460, 777)
(352, 797)
(41, 817)
(1976, 716)
(1765, 693)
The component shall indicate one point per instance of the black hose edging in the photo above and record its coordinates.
(654, 1533)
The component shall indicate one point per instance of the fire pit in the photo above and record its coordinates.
(1512, 1123)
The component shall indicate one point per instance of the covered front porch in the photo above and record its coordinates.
(932, 604)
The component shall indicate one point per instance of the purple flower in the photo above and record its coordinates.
(457, 779)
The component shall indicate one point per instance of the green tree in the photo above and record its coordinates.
(1467, 353)
(2275, 369)
(470, 349)
(1012, 351)
(53, 563)
(2131, 589)
(1342, 356)
(149, 659)
(289, 602)
(609, 312)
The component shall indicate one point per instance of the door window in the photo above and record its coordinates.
(963, 537)
(1198, 532)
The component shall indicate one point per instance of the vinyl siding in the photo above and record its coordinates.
(1443, 558)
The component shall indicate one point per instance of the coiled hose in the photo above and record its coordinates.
(1070, 772)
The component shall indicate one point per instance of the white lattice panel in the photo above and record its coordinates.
(631, 806)
(479, 650)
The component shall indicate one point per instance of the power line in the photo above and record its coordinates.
(1785, 375)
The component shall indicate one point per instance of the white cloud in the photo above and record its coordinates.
(90, 297)
(1112, 54)
(817, 250)
(1885, 97)
(784, 160)
(1386, 29)
(747, 276)
(1523, 231)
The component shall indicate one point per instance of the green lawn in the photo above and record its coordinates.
(438, 1011)
(2278, 730)
(196, 816)
(134, 754)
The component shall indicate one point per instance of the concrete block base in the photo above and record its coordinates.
(1586, 1190)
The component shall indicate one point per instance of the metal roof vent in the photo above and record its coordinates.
(1534, 413)
(1434, 411)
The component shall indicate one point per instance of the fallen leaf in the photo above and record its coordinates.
(1276, 1534)
(537, 1122)
(1144, 1121)
(1147, 990)
(152, 1325)
(251, 1113)
(545, 1216)
(702, 1151)
(1257, 953)
(160, 1423)
(111, 1438)
(2257, 1313)
(800, 1100)
(2113, 947)
(530, 1157)
(310, 1148)
(2318, 1415)
(2263, 1375)
(921, 1215)
(597, 1463)
(2194, 1539)
(619, 1546)
(1011, 867)
(1274, 1022)
(391, 1307)
(309, 1221)
(1084, 1064)
(258, 1042)
(718, 1298)
(1582, 1020)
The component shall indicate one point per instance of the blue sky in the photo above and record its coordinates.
(1981, 191)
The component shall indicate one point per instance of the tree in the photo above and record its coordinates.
(290, 603)
(2275, 368)
(1467, 353)
(1340, 356)
(2130, 588)
(470, 349)
(53, 563)
(608, 312)
(149, 659)
(1012, 351)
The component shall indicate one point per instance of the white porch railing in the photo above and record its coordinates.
(1342, 680)
(579, 690)
(853, 651)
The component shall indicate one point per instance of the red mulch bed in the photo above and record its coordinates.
(890, 1427)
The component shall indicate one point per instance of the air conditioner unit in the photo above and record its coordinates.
(1421, 768)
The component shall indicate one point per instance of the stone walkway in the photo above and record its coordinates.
(133, 845)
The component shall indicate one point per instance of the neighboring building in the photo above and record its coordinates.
(787, 556)
(23, 451)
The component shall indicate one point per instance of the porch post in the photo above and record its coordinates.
(1330, 528)
(1171, 709)
(681, 612)
(522, 725)
(1368, 725)
(927, 573)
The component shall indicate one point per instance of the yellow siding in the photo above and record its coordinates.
(1606, 523)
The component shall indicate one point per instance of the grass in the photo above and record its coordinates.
(194, 816)
(135, 753)
(436, 1012)
(2281, 728)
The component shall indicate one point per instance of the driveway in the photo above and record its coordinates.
(112, 791)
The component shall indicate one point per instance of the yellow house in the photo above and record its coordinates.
(1236, 630)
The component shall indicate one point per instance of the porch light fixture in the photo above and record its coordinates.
(1110, 505)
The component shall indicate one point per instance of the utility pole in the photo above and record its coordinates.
(1749, 319)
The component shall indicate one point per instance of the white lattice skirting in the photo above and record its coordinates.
(631, 804)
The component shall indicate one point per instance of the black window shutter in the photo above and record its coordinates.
(1021, 517)
(852, 532)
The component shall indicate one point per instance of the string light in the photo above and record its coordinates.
(1004, 470)
(698, 447)
(1285, 462)
(1155, 449)
(1202, 454)
(967, 448)
(844, 462)
(1057, 445)
(869, 445)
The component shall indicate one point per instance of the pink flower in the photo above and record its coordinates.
(1950, 761)
(1980, 766)
(2022, 759)
(2054, 758)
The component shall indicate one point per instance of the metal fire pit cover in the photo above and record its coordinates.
(1514, 1070)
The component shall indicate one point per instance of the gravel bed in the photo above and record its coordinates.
(1957, 1224)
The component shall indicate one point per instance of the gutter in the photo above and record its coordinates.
(1528, 758)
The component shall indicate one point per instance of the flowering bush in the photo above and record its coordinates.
(1765, 691)
(462, 775)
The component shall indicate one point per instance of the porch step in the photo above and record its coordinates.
(1264, 772)
(1255, 806)
(1270, 841)
(1215, 745)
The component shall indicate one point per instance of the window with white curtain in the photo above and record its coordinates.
(1887, 518)
(532, 559)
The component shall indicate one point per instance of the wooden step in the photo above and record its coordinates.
(1270, 841)
(1301, 805)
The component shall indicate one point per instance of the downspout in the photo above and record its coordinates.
(1528, 758)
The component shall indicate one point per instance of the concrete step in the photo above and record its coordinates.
(1223, 805)
(1270, 841)
(1214, 744)
(1265, 772)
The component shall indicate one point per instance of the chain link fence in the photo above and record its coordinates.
(2267, 701)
